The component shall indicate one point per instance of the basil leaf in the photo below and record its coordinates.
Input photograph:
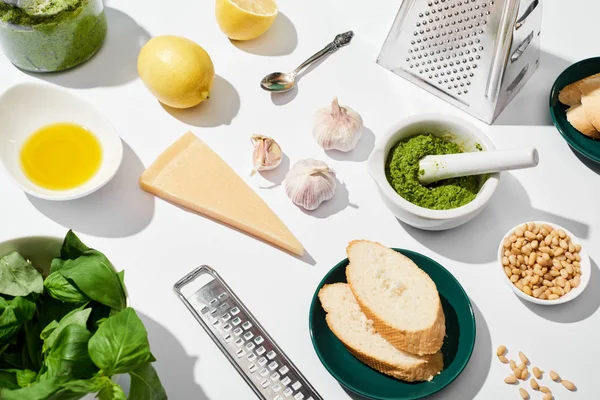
(145, 384)
(68, 357)
(75, 317)
(91, 385)
(120, 344)
(8, 380)
(18, 277)
(72, 247)
(38, 391)
(112, 391)
(95, 277)
(33, 343)
(61, 289)
(15, 313)
(25, 377)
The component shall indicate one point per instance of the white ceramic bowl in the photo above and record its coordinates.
(466, 135)
(25, 108)
(585, 265)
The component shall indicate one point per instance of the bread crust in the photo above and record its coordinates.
(425, 371)
(421, 342)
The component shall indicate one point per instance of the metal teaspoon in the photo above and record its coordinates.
(282, 82)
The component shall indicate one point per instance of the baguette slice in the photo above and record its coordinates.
(398, 296)
(578, 118)
(350, 325)
(590, 101)
(570, 95)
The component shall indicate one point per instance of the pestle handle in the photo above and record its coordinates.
(436, 168)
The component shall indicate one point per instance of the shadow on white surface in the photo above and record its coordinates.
(510, 206)
(530, 105)
(339, 202)
(114, 64)
(576, 310)
(220, 109)
(174, 366)
(471, 380)
(276, 176)
(281, 39)
(283, 98)
(119, 209)
(592, 165)
(360, 153)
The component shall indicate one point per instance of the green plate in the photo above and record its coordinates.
(361, 379)
(585, 145)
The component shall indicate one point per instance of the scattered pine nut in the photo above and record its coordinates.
(503, 359)
(534, 384)
(568, 384)
(524, 394)
(537, 373)
(554, 376)
(544, 389)
(501, 351)
(510, 379)
(523, 358)
(524, 374)
(547, 396)
(513, 365)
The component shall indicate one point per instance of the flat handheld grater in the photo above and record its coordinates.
(475, 54)
(245, 343)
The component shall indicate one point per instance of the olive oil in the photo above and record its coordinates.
(61, 156)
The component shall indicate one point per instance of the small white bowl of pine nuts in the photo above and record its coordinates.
(544, 263)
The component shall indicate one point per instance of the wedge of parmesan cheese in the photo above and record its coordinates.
(193, 176)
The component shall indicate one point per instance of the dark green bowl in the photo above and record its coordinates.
(584, 145)
(361, 379)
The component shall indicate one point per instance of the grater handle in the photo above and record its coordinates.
(436, 168)
(340, 40)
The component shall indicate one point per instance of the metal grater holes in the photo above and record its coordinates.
(456, 36)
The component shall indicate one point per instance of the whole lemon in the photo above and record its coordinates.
(245, 19)
(176, 70)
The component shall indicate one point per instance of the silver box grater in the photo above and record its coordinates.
(475, 54)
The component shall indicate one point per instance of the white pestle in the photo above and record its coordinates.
(436, 168)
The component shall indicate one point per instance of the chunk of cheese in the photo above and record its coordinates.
(193, 176)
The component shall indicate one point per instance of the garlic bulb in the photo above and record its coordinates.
(337, 127)
(267, 153)
(309, 183)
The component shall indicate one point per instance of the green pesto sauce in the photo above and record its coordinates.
(402, 171)
(51, 35)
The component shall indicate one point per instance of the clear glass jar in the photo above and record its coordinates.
(51, 35)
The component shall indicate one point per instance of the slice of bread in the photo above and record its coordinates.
(350, 325)
(570, 95)
(578, 118)
(398, 296)
(590, 100)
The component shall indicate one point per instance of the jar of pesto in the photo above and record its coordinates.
(51, 35)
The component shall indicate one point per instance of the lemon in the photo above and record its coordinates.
(176, 70)
(245, 19)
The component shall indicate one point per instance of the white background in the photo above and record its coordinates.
(157, 243)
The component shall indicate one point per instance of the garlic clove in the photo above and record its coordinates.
(337, 127)
(267, 153)
(309, 183)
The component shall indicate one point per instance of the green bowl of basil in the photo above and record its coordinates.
(65, 327)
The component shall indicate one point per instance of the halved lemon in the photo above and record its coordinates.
(245, 19)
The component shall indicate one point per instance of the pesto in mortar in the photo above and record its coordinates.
(402, 171)
(51, 35)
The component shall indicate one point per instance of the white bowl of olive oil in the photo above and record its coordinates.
(54, 145)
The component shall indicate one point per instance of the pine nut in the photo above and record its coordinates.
(537, 373)
(534, 384)
(548, 240)
(524, 374)
(554, 376)
(578, 248)
(564, 273)
(503, 359)
(511, 379)
(571, 247)
(501, 350)
(554, 273)
(531, 226)
(547, 283)
(558, 252)
(535, 244)
(523, 358)
(524, 394)
(537, 292)
(518, 372)
(513, 365)
(514, 278)
(506, 243)
(544, 389)
(519, 232)
(530, 235)
(547, 396)
(577, 257)
(527, 290)
(569, 256)
(568, 384)
(567, 287)
(553, 296)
